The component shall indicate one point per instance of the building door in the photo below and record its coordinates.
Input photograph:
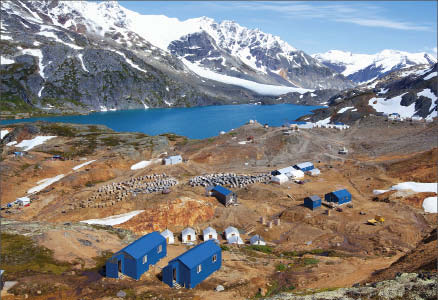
(167, 240)
(119, 264)
(174, 274)
(210, 236)
(189, 237)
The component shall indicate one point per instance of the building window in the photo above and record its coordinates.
(214, 259)
(199, 269)
(160, 248)
(145, 259)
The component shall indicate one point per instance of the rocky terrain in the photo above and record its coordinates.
(309, 252)
(411, 92)
(404, 286)
(77, 57)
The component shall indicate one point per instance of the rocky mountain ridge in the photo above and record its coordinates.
(363, 68)
(410, 93)
(70, 57)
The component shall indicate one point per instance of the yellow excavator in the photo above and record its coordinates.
(377, 220)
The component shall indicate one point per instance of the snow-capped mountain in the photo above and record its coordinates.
(362, 68)
(410, 92)
(82, 55)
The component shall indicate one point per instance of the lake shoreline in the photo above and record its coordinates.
(194, 122)
(27, 115)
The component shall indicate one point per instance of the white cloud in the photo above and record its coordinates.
(359, 14)
(385, 24)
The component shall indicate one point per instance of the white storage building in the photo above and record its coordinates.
(257, 240)
(279, 179)
(209, 233)
(188, 235)
(168, 235)
(173, 160)
(231, 231)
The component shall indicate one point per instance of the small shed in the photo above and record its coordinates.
(279, 179)
(188, 235)
(195, 265)
(314, 172)
(224, 195)
(235, 240)
(257, 240)
(340, 196)
(173, 160)
(168, 235)
(231, 231)
(209, 233)
(305, 166)
(312, 202)
(135, 259)
(22, 201)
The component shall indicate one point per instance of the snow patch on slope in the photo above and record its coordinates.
(42, 184)
(392, 105)
(262, 89)
(114, 220)
(38, 140)
(83, 165)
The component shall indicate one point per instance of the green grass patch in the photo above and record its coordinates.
(260, 248)
(59, 130)
(280, 267)
(21, 255)
(225, 248)
(310, 261)
(111, 141)
(319, 252)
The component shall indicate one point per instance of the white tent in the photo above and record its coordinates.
(279, 179)
(188, 235)
(231, 231)
(257, 240)
(209, 234)
(314, 172)
(168, 235)
(235, 240)
(296, 174)
(22, 201)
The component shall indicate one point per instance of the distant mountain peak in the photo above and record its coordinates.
(362, 68)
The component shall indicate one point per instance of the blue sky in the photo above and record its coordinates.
(319, 26)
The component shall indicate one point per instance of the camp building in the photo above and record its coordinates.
(339, 197)
(135, 259)
(192, 267)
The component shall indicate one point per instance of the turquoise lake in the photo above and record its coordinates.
(195, 122)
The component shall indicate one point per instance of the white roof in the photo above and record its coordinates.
(304, 165)
(286, 170)
(174, 157)
(235, 240)
(281, 177)
(231, 229)
(167, 233)
(209, 230)
(188, 230)
(315, 171)
(297, 173)
(256, 238)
